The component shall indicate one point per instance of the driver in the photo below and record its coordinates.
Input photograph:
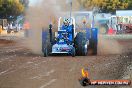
(66, 22)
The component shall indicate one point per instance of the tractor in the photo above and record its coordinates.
(68, 41)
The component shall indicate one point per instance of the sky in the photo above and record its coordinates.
(32, 2)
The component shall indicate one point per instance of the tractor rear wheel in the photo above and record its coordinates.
(81, 44)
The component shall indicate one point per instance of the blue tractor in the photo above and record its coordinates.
(68, 41)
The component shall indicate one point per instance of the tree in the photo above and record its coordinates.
(129, 5)
(105, 5)
(10, 8)
(113, 5)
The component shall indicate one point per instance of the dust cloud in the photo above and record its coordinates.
(40, 16)
(107, 46)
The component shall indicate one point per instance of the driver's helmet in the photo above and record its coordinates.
(66, 22)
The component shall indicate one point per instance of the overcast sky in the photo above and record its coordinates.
(32, 2)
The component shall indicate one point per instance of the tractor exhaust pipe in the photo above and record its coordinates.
(50, 32)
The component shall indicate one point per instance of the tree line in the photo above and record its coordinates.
(10, 9)
(106, 6)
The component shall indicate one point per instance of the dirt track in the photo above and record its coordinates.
(19, 68)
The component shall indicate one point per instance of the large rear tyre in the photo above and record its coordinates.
(81, 44)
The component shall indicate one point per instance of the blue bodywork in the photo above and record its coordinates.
(64, 40)
(94, 34)
(68, 30)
